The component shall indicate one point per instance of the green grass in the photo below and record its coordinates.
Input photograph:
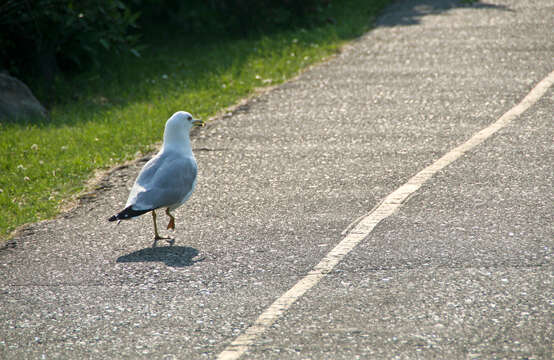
(110, 115)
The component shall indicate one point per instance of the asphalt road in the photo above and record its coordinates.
(463, 270)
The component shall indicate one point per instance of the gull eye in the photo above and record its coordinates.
(189, 118)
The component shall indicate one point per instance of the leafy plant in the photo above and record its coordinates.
(235, 16)
(40, 37)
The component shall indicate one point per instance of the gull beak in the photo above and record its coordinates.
(197, 122)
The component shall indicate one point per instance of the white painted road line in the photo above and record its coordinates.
(363, 228)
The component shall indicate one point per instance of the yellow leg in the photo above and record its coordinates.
(171, 224)
(156, 235)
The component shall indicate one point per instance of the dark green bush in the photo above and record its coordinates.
(40, 37)
(235, 16)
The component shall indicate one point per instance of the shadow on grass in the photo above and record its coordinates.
(175, 256)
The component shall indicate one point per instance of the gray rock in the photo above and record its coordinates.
(17, 101)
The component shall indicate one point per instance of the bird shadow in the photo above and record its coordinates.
(175, 256)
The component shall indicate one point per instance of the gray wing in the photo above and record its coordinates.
(167, 179)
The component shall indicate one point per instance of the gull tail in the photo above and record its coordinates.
(128, 213)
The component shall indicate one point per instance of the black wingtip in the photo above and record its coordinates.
(128, 213)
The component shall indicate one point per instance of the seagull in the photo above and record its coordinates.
(168, 179)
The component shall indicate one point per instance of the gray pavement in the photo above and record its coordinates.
(462, 271)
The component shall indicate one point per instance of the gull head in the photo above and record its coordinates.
(177, 127)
